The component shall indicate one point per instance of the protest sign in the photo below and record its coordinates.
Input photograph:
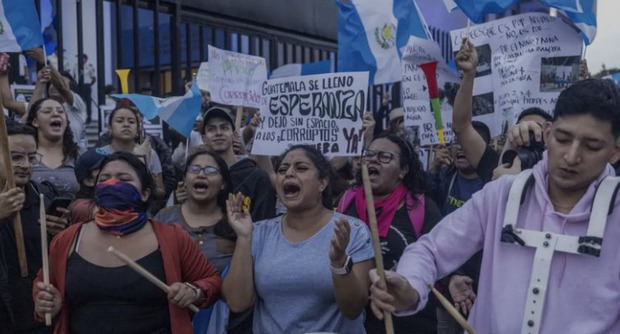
(523, 61)
(235, 78)
(415, 91)
(202, 77)
(323, 110)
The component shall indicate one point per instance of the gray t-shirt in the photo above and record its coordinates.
(154, 165)
(62, 178)
(293, 280)
(216, 249)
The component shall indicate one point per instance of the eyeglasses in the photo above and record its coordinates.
(382, 156)
(209, 170)
(19, 158)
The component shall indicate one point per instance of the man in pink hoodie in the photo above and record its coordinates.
(583, 291)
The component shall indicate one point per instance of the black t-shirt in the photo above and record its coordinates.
(16, 304)
(401, 234)
(488, 163)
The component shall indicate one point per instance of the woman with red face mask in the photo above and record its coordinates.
(90, 288)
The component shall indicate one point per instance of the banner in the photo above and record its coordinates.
(235, 78)
(523, 61)
(323, 110)
(419, 116)
(202, 77)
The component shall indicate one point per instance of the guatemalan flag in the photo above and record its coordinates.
(371, 34)
(179, 112)
(582, 13)
(294, 70)
(20, 28)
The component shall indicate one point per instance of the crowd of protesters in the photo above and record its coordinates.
(282, 244)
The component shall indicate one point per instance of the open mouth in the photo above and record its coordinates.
(291, 190)
(200, 187)
(373, 171)
(56, 125)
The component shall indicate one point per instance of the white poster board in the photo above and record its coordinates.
(202, 77)
(523, 61)
(235, 78)
(323, 110)
(415, 93)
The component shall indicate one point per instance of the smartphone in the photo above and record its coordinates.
(58, 202)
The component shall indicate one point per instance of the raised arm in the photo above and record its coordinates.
(351, 290)
(238, 288)
(7, 100)
(472, 143)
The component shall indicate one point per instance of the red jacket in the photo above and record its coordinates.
(183, 262)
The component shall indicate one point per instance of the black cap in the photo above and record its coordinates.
(86, 163)
(218, 112)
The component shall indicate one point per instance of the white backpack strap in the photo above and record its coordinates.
(515, 198)
(601, 208)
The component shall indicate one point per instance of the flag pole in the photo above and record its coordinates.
(9, 184)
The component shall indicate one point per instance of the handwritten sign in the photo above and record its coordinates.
(524, 61)
(416, 99)
(202, 77)
(235, 78)
(323, 110)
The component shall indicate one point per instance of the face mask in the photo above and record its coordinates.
(121, 210)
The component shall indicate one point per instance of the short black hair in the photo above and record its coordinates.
(597, 97)
(14, 128)
(534, 111)
(415, 180)
(483, 130)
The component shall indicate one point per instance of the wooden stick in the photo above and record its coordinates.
(10, 184)
(372, 220)
(238, 118)
(453, 311)
(44, 258)
(140, 270)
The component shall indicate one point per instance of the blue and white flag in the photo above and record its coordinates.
(20, 28)
(582, 13)
(295, 70)
(179, 112)
(583, 17)
(371, 34)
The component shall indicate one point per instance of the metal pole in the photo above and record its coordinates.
(156, 82)
(136, 48)
(100, 57)
(59, 48)
(175, 56)
(80, 45)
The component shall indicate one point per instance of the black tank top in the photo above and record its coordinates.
(116, 300)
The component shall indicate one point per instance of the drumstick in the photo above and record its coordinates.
(453, 312)
(372, 220)
(44, 258)
(140, 270)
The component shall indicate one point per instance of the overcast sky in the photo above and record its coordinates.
(606, 46)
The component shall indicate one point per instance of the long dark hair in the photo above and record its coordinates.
(69, 147)
(322, 166)
(222, 228)
(415, 180)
